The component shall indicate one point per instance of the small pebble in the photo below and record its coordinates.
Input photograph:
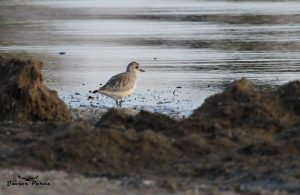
(90, 97)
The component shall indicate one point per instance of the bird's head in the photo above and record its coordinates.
(134, 67)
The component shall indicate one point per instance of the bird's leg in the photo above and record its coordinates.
(121, 103)
(117, 103)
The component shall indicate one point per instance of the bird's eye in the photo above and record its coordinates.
(136, 67)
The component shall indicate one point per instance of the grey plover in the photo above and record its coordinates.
(121, 85)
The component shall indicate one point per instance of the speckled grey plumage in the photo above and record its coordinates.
(120, 82)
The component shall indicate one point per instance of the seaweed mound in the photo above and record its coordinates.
(82, 147)
(24, 97)
(142, 121)
(242, 107)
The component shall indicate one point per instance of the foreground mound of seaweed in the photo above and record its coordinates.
(239, 136)
(86, 149)
(23, 95)
(243, 109)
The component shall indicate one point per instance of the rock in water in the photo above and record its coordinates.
(23, 95)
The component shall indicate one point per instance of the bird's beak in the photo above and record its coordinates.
(142, 70)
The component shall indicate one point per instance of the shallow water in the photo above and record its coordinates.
(190, 49)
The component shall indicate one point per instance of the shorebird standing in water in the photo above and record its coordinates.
(121, 85)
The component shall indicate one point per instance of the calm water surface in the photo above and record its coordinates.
(190, 49)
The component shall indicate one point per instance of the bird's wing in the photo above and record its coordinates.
(119, 82)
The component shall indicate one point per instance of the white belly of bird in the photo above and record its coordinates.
(118, 94)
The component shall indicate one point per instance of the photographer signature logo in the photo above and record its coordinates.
(27, 178)
(27, 181)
